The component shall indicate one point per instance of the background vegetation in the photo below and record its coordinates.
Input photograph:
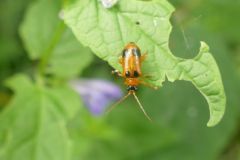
(179, 111)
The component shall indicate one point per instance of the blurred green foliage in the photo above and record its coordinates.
(178, 110)
(36, 130)
(51, 42)
(11, 14)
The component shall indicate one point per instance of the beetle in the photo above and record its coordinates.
(131, 61)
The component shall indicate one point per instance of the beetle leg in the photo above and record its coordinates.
(143, 57)
(120, 60)
(148, 85)
(117, 72)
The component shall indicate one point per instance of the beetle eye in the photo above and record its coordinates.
(136, 74)
(127, 74)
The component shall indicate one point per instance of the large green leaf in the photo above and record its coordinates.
(33, 125)
(47, 38)
(146, 23)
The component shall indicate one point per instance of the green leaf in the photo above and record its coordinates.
(47, 38)
(33, 125)
(107, 31)
(203, 72)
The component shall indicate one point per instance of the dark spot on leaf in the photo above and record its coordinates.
(137, 23)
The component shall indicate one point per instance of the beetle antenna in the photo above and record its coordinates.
(141, 107)
(118, 102)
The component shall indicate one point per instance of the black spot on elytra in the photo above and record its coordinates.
(136, 52)
(124, 53)
(135, 74)
(127, 74)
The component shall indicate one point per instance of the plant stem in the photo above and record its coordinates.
(50, 50)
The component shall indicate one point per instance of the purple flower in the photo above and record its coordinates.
(97, 94)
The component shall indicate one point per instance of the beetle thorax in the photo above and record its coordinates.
(132, 81)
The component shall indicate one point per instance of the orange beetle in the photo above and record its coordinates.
(131, 61)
